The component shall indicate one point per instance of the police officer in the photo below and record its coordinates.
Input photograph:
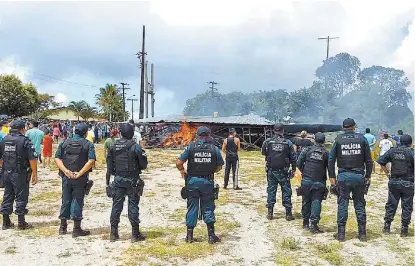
(313, 163)
(125, 160)
(203, 160)
(302, 142)
(231, 146)
(279, 154)
(401, 182)
(18, 156)
(74, 158)
(354, 162)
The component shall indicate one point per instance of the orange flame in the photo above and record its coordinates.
(181, 138)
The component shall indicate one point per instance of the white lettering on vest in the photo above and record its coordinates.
(203, 154)
(202, 160)
(351, 149)
(316, 156)
(10, 148)
(399, 156)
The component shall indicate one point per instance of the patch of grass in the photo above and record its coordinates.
(46, 196)
(178, 215)
(65, 254)
(328, 252)
(41, 229)
(289, 243)
(160, 158)
(43, 212)
(357, 260)
(285, 259)
(150, 194)
(334, 258)
(10, 250)
(223, 197)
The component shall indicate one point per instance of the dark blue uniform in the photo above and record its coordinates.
(351, 150)
(73, 190)
(279, 155)
(401, 183)
(200, 187)
(16, 151)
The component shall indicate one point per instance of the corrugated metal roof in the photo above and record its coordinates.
(250, 119)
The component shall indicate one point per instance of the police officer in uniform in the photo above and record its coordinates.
(279, 154)
(401, 183)
(203, 160)
(74, 158)
(19, 160)
(313, 163)
(354, 162)
(302, 142)
(231, 146)
(125, 160)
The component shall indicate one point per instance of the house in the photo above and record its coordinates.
(65, 113)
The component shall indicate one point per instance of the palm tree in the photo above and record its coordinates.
(77, 107)
(110, 101)
(88, 112)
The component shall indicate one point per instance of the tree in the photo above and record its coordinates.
(77, 107)
(109, 99)
(45, 103)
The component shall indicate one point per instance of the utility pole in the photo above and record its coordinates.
(152, 89)
(141, 55)
(123, 84)
(146, 89)
(212, 87)
(328, 39)
(132, 106)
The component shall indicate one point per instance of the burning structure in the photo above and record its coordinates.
(179, 131)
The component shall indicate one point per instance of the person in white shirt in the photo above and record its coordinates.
(137, 135)
(385, 144)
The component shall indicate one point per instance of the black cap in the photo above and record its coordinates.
(202, 130)
(348, 122)
(231, 130)
(278, 127)
(131, 121)
(81, 129)
(320, 137)
(18, 124)
(405, 139)
(127, 131)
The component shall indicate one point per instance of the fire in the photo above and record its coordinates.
(181, 138)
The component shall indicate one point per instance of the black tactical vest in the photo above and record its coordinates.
(278, 153)
(402, 163)
(202, 159)
(75, 154)
(315, 164)
(350, 151)
(231, 148)
(14, 157)
(125, 159)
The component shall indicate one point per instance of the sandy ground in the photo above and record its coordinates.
(248, 238)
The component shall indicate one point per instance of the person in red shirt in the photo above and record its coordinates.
(47, 148)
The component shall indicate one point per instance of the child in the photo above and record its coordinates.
(47, 148)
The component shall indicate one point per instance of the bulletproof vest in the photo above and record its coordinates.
(402, 162)
(301, 143)
(14, 157)
(75, 154)
(125, 161)
(278, 153)
(315, 163)
(231, 148)
(202, 159)
(350, 151)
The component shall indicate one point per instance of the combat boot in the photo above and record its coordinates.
(341, 233)
(189, 236)
(387, 228)
(404, 231)
(114, 236)
(289, 215)
(314, 229)
(7, 224)
(63, 229)
(211, 233)
(77, 231)
(306, 224)
(22, 224)
(136, 235)
(270, 214)
(362, 232)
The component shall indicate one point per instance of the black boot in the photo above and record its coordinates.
(404, 231)
(306, 224)
(189, 236)
(7, 224)
(211, 233)
(270, 214)
(114, 236)
(341, 233)
(22, 225)
(289, 215)
(362, 232)
(387, 228)
(63, 229)
(136, 235)
(77, 231)
(314, 229)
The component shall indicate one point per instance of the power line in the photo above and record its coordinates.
(123, 84)
(212, 87)
(328, 39)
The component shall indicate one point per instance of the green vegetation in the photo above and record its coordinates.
(10, 250)
(290, 243)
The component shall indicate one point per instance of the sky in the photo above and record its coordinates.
(70, 49)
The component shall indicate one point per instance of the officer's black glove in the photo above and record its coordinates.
(334, 189)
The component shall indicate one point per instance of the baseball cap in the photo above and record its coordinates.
(278, 127)
(18, 124)
(203, 130)
(348, 122)
(81, 129)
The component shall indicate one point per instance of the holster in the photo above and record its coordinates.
(140, 187)
(88, 186)
(110, 189)
(216, 192)
(29, 175)
(1, 178)
(367, 185)
(183, 191)
(299, 192)
(326, 193)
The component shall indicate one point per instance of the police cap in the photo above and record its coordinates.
(278, 127)
(127, 131)
(81, 129)
(406, 139)
(348, 122)
(18, 124)
(320, 137)
(202, 130)
(231, 130)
